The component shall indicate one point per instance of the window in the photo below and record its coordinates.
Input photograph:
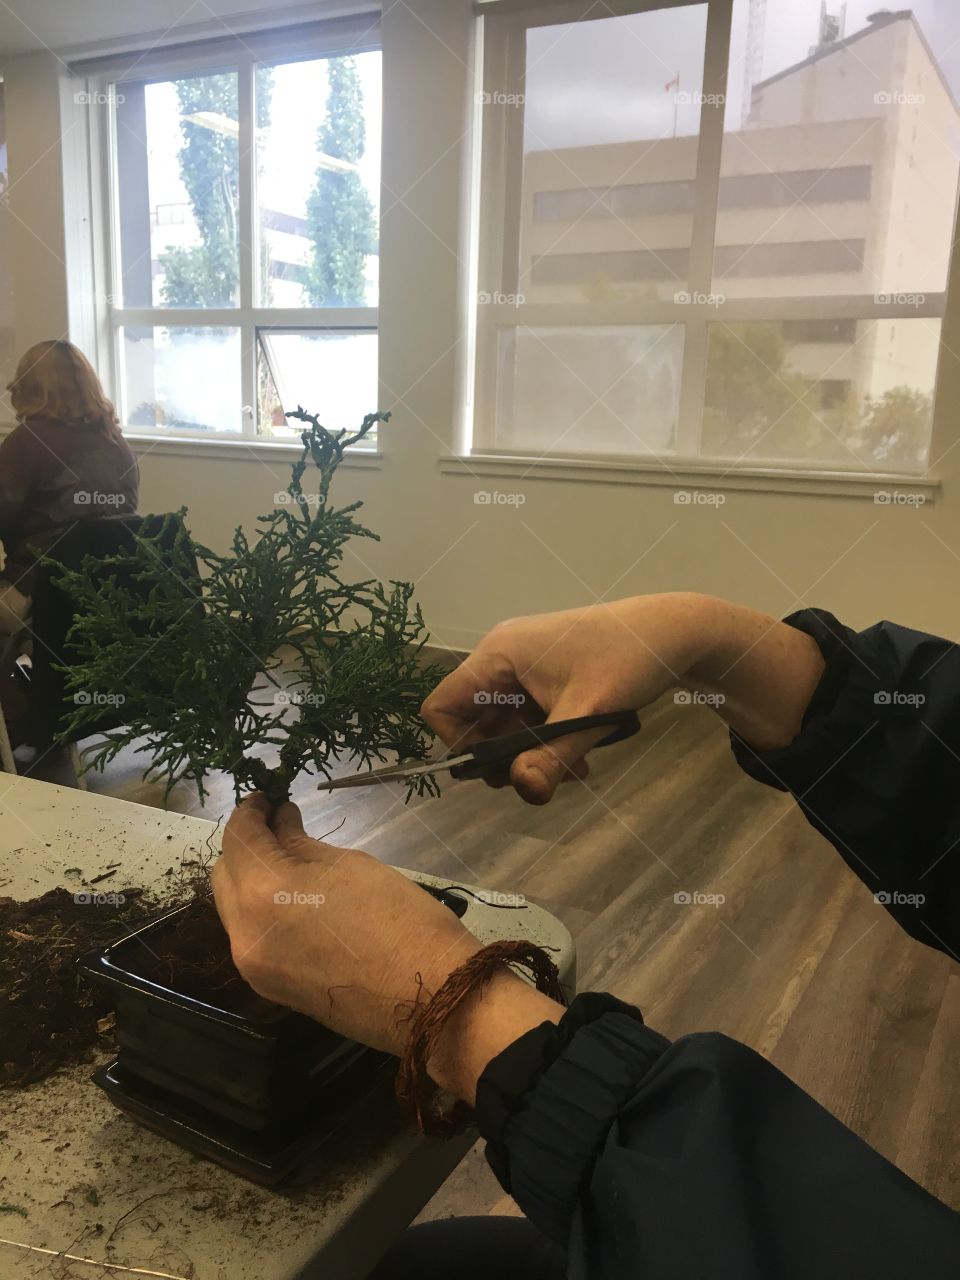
(241, 273)
(7, 354)
(714, 231)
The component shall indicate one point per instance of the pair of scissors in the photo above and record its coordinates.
(475, 760)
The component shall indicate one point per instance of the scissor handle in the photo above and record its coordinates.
(504, 749)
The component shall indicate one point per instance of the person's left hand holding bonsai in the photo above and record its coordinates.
(632, 1155)
(353, 943)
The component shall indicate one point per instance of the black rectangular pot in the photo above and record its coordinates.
(260, 1075)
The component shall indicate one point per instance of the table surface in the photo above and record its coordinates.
(96, 1185)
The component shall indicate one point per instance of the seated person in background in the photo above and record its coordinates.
(65, 461)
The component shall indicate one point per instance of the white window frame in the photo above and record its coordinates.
(496, 220)
(332, 38)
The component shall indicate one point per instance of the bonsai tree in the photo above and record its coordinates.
(192, 661)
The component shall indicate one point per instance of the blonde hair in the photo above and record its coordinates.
(55, 381)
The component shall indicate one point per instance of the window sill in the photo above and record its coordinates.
(839, 484)
(249, 450)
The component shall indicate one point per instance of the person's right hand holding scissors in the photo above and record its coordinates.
(619, 656)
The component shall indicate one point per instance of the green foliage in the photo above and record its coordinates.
(206, 275)
(895, 428)
(757, 405)
(339, 210)
(193, 662)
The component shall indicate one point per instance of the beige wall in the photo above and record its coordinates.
(571, 542)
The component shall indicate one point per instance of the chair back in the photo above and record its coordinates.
(54, 613)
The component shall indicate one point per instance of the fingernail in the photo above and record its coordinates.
(539, 779)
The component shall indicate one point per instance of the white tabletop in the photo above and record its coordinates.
(96, 1185)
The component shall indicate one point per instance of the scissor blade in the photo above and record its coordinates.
(394, 773)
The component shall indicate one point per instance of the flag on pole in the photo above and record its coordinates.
(672, 84)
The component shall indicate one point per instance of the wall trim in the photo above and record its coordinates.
(836, 484)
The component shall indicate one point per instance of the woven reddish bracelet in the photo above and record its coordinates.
(416, 1093)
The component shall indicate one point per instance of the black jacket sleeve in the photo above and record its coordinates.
(696, 1160)
(876, 767)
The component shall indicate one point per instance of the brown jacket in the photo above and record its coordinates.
(53, 474)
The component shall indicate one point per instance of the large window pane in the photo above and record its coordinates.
(318, 181)
(853, 393)
(611, 112)
(188, 379)
(178, 191)
(332, 375)
(840, 156)
(603, 390)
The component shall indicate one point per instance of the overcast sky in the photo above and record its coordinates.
(604, 80)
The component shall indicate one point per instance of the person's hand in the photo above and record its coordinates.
(353, 943)
(759, 673)
(608, 657)
(331, 932)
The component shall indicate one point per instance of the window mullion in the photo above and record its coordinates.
(710, 146)
(692, 384)
(247, 246)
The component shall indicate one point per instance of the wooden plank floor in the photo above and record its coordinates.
(797, 961)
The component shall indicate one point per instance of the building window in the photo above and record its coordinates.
(739, 191)
(242, 268)
(700, 252)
